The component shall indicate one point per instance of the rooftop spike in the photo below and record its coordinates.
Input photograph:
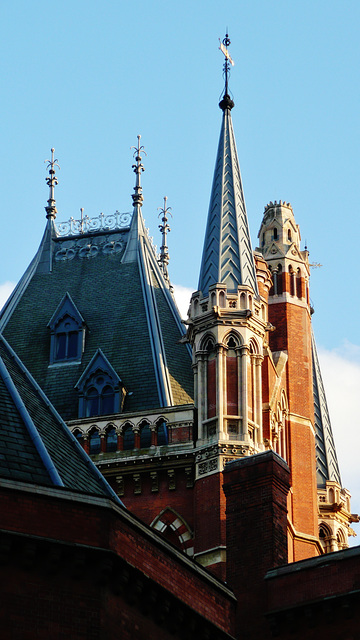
(138, 169)
(51, 181)
(164, 228)
(226, 102)
(137, 228)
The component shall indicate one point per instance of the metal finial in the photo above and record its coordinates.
(226, 102)
(138, 169)
(164, 228)
(51, 181)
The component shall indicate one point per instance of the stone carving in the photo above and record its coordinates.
(87, 248)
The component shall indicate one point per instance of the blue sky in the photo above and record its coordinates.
(87, 77)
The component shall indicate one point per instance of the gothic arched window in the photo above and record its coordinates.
(162, 433)
(111, 438)
(94, 441)
(67, 333)
(128, 437)
(100, 390)
(145, 436)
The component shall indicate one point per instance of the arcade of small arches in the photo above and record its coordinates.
(292, 282)
(332, 539)
(278, 427)
(238, 366)
(124, 437)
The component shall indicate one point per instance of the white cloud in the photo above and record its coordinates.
(182, 297)
(5, 290)
(340, 370)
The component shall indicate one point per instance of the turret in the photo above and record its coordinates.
(289, 425)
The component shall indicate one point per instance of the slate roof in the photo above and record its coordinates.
(35, 444)
(327, 467)
(227, 254)
(128, 311)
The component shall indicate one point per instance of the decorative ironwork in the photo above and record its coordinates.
(51, 181)
(226, 102)
(138, 169)
(164, 228)
(112, 222)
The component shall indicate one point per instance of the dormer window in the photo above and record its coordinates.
(100, 389)
(67, 333)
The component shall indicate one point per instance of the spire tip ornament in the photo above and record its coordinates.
(138, 170)
(164, 257)
(51, 181)
(226, 102)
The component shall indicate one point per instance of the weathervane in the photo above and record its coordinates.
(226, 101)
(51, 181)
(138, 169)
(164, 228)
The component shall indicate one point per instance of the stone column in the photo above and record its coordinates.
(219, 389)
(244, 393)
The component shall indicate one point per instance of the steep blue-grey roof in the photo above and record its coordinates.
(327, 467)
(35, 444)
(113, 278)
(227, 254)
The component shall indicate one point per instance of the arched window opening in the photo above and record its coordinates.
(275, 233)
(128, 438)
(79, 436)
(331, 496)
(292, 281)
(211, 380)
(242, 301)
(67, 332)
(94, 442)
(100, 390)
(67, 341)
(222, 299)
(172, 526)
(145, 436)
(325, 538)
(162, 433)
(289, 235)
(231, 343)
(107, 400)
(232, 384)
(111, 439)
(92, 402)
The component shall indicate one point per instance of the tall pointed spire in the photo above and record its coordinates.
(227, 254)
(51, 181)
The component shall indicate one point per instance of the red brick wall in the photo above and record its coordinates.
(256, 530)
(318, 598)
(293, 335)
(210, 526)
(103, 527)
